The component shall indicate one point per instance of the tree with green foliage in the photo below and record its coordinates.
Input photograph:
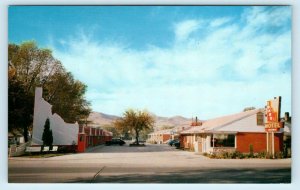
(144, 133)
(135, 122)
(20, 104)
(111, 128)
(67, 97)
(47, 135)
(251, 150)
(30, 67)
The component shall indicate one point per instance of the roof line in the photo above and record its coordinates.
(238, 119)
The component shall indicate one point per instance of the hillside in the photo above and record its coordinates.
(101, 118)
(160, 122)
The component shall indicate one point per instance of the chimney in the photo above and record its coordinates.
(38, 92)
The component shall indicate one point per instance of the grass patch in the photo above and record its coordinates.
(43, 155)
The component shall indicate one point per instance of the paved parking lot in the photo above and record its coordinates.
(149, 164)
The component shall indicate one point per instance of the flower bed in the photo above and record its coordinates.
(239, 155)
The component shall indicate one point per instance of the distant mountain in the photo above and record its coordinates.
(160, 122)
(164, 122)
(101, 118)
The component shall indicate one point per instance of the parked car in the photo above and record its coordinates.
(177, 144)
(168, 141)
(171, 143)
(115, 141)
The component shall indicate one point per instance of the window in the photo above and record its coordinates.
(198, 138)
(260, 118)
(222, 140)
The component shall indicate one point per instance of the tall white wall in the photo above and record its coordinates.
(63, 133)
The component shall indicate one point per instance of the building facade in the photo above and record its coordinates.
(89, 136)
(238, 132)
(159, 137)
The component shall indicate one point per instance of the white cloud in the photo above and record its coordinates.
(185, 28)
(220, 21)
(230, 68)
(272, 16)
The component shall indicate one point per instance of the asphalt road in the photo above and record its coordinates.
(150, 164)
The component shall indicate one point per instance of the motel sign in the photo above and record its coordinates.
(272, 123)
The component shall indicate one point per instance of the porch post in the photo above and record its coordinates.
(267, 134)
(235, 141)
(273, 145)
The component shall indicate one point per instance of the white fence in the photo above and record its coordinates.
(15, 150)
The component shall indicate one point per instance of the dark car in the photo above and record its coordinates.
(171, 142)
(115, 141)
(177, 144)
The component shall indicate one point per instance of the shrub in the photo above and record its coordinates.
(66, 149)
(262, 154)
(251, 150)
(247, 156)
(47, 135)
(278, 155)
(239, 155)
(226, 155)
(269, 156)
(286, 151)
(234, 155)
(213, 155)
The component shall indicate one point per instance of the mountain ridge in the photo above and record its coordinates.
(100, 118)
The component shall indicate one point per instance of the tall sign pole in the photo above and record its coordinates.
(272, 124)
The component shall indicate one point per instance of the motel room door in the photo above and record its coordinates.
(185, 141)
(199, 141)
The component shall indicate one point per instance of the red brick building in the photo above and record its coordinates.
(91, 136)
(237, 132)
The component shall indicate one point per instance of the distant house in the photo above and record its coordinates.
(236, 132)
(159, 137)
(15, 137)
(162, 136)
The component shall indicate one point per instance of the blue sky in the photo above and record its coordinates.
(203, 61)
